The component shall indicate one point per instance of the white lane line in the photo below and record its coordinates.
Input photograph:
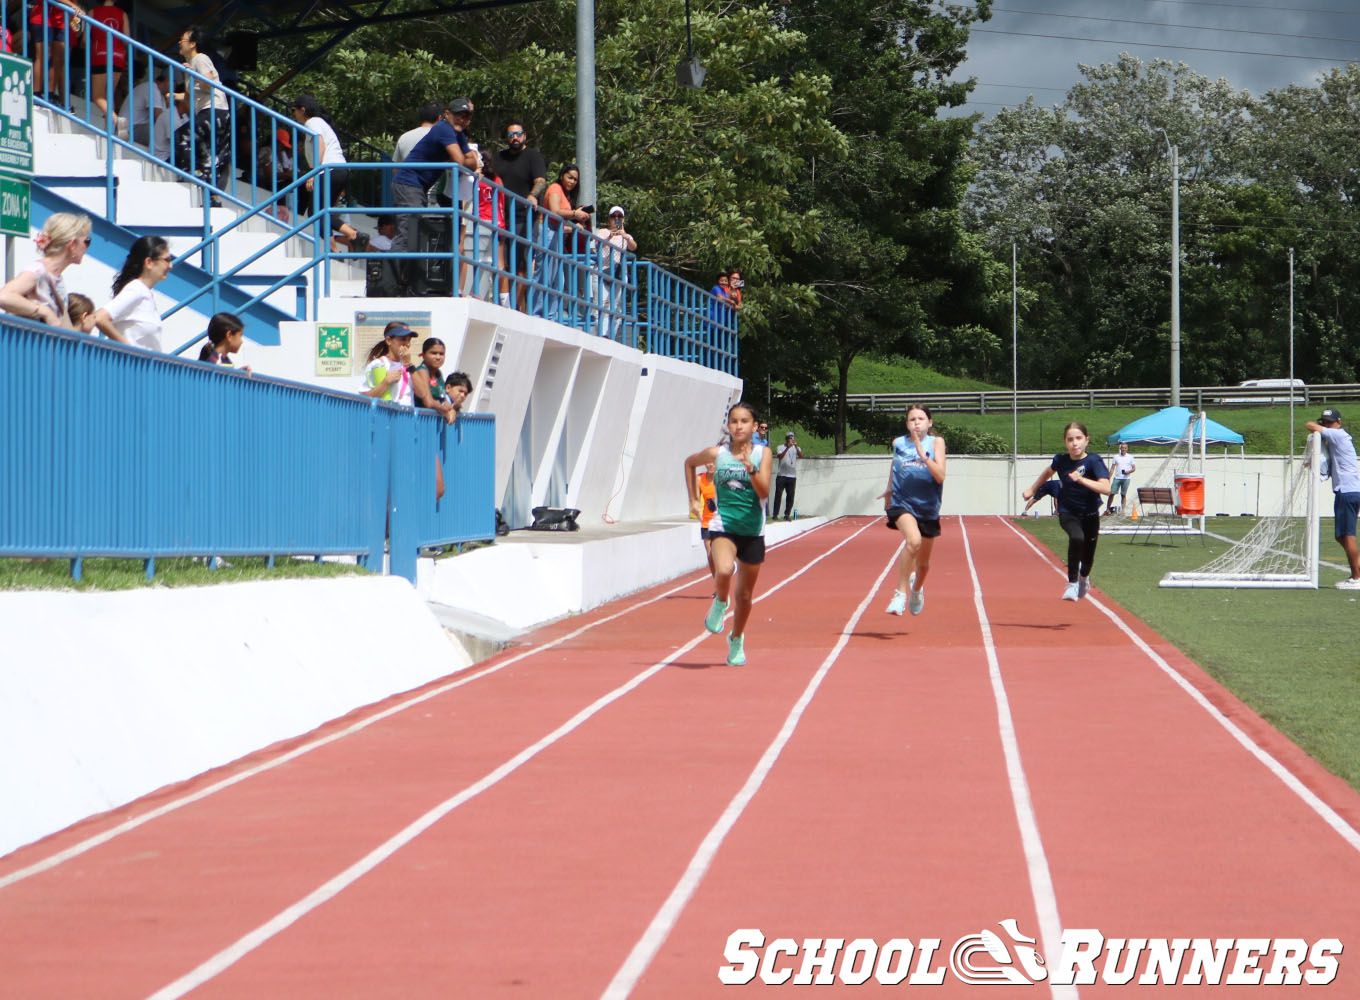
(664, 922)
(141, 819)
(233, 953)
(1036, 860)
(1310, 798)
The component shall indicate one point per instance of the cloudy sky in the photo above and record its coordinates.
(1034, 46)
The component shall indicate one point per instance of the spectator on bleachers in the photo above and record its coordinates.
(427, 380)
(565, 219)
(37, 291)
(49, 31)
(456, 389)
(107, 52)
(386, 375)
(226, 333)
(327, 150)
(207, 131)
(523, 171)
(426, 115)
(387, 229)
(80, 311)
(152, 117)
(487, 238)
(131, 315)
(446, 142)
(723, 289)
(735, 285)
(607, 286)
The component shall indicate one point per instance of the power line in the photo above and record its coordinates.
(1164, 45)
(1186, 27)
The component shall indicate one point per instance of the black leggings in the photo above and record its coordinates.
(1082, 534)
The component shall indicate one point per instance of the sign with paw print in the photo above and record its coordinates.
(16, 115)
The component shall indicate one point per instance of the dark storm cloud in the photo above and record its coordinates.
(1026, 48)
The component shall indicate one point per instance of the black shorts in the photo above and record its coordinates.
(929, 528)
(703, 534)
(750, 548)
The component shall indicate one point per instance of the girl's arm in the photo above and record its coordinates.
(936, 464)
(705, 457)
(1094, 485)
(1043, 478)
(760, 478)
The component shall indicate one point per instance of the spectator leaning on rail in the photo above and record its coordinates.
(446, 141)
(386, 376)
(131, 315)
(226, 333)
(1341, 465)
(564, 220)
(37, 291)
(609, 280)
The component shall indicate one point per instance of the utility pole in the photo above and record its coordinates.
(585, 100)
(1175, 274)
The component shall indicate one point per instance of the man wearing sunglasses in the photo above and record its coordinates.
(522, 171)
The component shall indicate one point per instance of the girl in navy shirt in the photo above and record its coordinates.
(1084, 480)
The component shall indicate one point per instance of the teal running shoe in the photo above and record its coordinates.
(736, 650)
(716, 612)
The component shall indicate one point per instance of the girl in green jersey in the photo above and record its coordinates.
(741, 481)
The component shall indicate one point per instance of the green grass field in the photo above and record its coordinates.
(1292, 655)
(125, 574)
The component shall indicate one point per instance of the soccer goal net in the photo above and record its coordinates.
(1161, 490)
(1281, 550)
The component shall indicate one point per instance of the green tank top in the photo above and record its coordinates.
(740, 509)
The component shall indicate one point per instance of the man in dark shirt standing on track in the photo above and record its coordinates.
(523, 171)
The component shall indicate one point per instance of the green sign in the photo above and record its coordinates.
(16, 115)
(14, 205)
(332, 349)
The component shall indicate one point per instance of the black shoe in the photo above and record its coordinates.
(359, 244)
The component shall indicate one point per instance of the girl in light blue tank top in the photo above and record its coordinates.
(912, 503)
(741, 482)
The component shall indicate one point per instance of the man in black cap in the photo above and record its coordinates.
(446, 142)
(1345, 474)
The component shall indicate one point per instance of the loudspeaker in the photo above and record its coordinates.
(382, 280)
(434, 275)
(690, 73)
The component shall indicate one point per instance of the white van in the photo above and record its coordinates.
(1269, 383)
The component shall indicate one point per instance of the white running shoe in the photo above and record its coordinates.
(1350, 584)
(1072, 593)
(898, 604)
(918, 600)
(1083, 586)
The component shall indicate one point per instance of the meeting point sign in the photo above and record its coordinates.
(1009, 957)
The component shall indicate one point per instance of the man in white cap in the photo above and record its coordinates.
(607, 285)
(1345, 473)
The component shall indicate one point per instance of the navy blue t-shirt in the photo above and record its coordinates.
(432, 148)
(1075, 498)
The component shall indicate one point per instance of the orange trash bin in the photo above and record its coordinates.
(1190, 495)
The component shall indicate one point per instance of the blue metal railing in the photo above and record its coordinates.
(564, 274)
(228, 465)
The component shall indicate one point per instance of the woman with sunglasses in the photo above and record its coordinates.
(37, 292)
(132, 315)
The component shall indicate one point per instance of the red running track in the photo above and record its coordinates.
(595, 812)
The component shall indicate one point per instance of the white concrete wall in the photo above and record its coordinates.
(158, 685)
(626, 419)
(983, 484)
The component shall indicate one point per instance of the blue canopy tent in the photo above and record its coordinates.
(1168, 426)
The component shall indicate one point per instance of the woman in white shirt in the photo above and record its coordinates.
(327, 150)
(131, 315)
(37, 291)
(210, 124)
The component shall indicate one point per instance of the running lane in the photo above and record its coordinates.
(1159, 822)
(889, 814)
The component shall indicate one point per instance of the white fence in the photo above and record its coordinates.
(991, 484)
